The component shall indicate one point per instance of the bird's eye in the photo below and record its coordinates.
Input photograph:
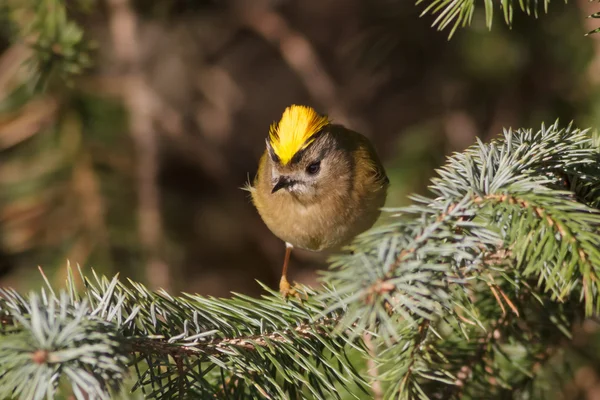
(313, 168)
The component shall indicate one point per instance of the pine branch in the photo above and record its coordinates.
(185, 341)
(492, 199)
(454, 14)
(465, 293)
(54, 340)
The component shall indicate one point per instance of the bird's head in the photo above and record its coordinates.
(305, 158)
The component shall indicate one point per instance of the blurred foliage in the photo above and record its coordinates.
(68, 165)
(59, 164)
(68, 184)
(57, 42)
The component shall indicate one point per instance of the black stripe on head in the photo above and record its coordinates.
(298, 156)
(272, 154)
(300, 153)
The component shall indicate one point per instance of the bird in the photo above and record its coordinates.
(318, 184)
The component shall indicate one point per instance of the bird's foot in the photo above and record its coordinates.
(286, 289)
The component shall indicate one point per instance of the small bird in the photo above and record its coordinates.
(318, 184)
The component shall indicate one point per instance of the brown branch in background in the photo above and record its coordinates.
(139, 99)
(93, 213)
(297, 52)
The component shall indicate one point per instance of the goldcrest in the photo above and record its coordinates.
(318, 184)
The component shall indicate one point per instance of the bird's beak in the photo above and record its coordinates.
(283, 182)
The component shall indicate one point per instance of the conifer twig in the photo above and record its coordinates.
(463, 293)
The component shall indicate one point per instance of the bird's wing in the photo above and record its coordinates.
(372, 158)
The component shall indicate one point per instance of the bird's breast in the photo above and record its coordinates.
(325, 224)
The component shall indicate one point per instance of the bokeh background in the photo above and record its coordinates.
(153, 114)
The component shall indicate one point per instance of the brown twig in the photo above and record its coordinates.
(498, 300)
(217, 346)
(372, 367)
(496, 289)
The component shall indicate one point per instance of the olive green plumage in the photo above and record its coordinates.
(328, 187)
(328, 209)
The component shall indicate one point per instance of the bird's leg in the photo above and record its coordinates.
(284, 286)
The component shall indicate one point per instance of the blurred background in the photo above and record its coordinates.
(128, 127)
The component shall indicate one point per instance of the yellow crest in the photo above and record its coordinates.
(295, 131)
